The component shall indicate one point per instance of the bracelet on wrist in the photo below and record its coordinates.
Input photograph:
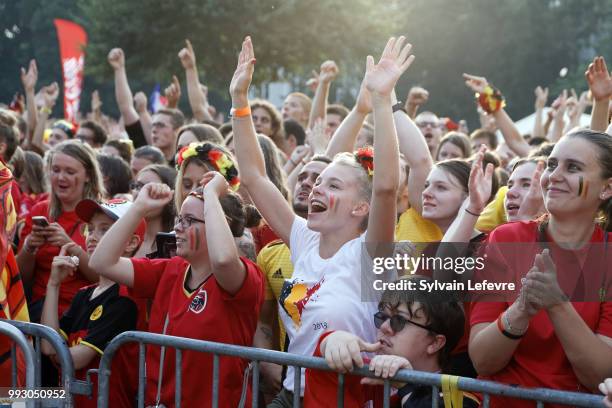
(491, 100)
(472, 213)
(506, 333)
(503, 323)
(240, 112)
(46, 110)
(399, 106)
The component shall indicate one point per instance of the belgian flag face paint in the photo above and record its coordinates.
(583, 187)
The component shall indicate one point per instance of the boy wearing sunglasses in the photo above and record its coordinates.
(417, 330)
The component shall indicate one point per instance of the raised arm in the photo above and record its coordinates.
(380, 79)
(96, 108)
(600, 84)
(50, 94)
(106, 259)
(173, 93)
(417, 97)
(343, 139)
(267, 198)
(222, 252)
(541, 95)
(558, 122)
(29, 79)
(511, 135)
(197, 98)
(329, 71)
(146, 122)
(462, 228)
(123, 93)
(414, 148)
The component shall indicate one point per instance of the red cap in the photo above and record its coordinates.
(114, 208)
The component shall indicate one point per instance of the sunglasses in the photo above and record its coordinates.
(396, 322)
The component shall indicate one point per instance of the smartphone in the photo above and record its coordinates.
(166, 246)
(40, 221)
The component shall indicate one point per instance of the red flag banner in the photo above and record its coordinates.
(72, 41)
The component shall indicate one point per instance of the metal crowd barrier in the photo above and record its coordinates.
(20, 340)
(63, 357)
(487, 388)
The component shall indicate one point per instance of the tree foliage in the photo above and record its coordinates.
(516, 44)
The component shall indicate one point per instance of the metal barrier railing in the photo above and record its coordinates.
(487, 388)
(63, 357)
(20, 340)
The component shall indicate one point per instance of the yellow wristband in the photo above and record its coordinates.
(46, 110)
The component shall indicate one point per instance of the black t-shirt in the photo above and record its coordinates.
(136, 134)
(419, 396)
(95, 322)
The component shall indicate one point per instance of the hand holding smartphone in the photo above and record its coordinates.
(40, 221)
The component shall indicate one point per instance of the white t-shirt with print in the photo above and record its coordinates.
(322, 295)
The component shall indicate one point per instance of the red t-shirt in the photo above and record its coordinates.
(539, 360)
(263, 235)
(74, 228)
(208, 313)
(30, 200)
(321, 388)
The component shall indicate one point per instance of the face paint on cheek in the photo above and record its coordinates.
(332, 201)
(192, 239)
(580, 185)
(197, 238)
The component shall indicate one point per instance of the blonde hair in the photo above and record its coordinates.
(84, 154)
(364, 180)
(304, 100)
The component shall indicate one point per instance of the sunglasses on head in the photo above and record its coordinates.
(396, 322)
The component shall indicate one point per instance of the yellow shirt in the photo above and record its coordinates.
(412, 227)
(494, 213)
(275, 262)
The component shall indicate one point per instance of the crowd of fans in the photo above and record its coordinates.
(252, 232)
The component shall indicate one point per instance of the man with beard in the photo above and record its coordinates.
(275, 262)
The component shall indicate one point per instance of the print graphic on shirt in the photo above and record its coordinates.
(294, 296)
(199, 301)
(278, 274)
(95, 315)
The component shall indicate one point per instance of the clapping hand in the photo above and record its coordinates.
(480, 183)
(541, 285)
